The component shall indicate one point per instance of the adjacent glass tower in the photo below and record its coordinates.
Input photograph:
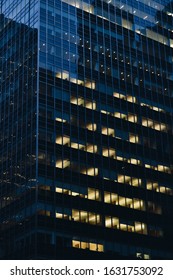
(86, 157)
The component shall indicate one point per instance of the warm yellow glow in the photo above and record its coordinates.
(59, 190)
(120, 115)
(154, 124)
(90, 84)
(63, 216)
(156, 36)
(140, 228)
(77, 101)
(127, 24)
(127, 227)
(91, 126)
(80, 5)
(63, 140)
(134, 161)
(94, 194)
(69, 192)
(122, 201)
(87, 245)
(137, 227)
(109, 153)
(104, 112)
(59, 215)
(132, 118)
(111, 222)
(164, 168)
(133, 138)
(62, 163)
(119, 95)
(90, 171)
(120, 158)
(60, 120)
(91, 148)
(90, 105)
(77, 81)
(152, 186)
(80, 101)
(166, 190)
(63, 75)
(129, 98)
(108, 131)
(136, 182)
(104, 131)
(134, 203)
(127, 179)
(66, 76)
(85, 217)
(110, 198)
(154, 108)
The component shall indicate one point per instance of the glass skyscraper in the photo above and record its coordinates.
(86, 129)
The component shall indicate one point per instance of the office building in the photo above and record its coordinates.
(86, 132)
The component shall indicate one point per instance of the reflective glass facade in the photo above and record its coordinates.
(86, 129)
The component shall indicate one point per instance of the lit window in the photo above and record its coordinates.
(140, 228)
(136, 182)
(108, 131)
(60, 120)
(109, 152)
(87, 245)
(65, 140)
(127, 24)
(134, 161)
(90, 171)
(90, 84)
(110, 198)
(94, 194)
(80, 101)
(131, 99)
(133, 138)
(91, 148)
(111, 222)
(120, 116)
(62, 163)
(132, 118)
(91, 126)
(85, 217)
(62, 216)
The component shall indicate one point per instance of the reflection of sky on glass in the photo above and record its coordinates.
(23, 11)
(144, 11)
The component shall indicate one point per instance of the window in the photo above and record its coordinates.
(133, 138)
(86, 217)
(87, 245)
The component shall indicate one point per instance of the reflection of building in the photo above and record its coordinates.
(86, 130)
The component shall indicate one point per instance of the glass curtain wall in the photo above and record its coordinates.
(86, 129)
(105, 127)
(18, 115)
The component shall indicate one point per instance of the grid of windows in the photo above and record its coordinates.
(91, 99)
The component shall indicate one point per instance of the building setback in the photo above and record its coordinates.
(86, 129)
